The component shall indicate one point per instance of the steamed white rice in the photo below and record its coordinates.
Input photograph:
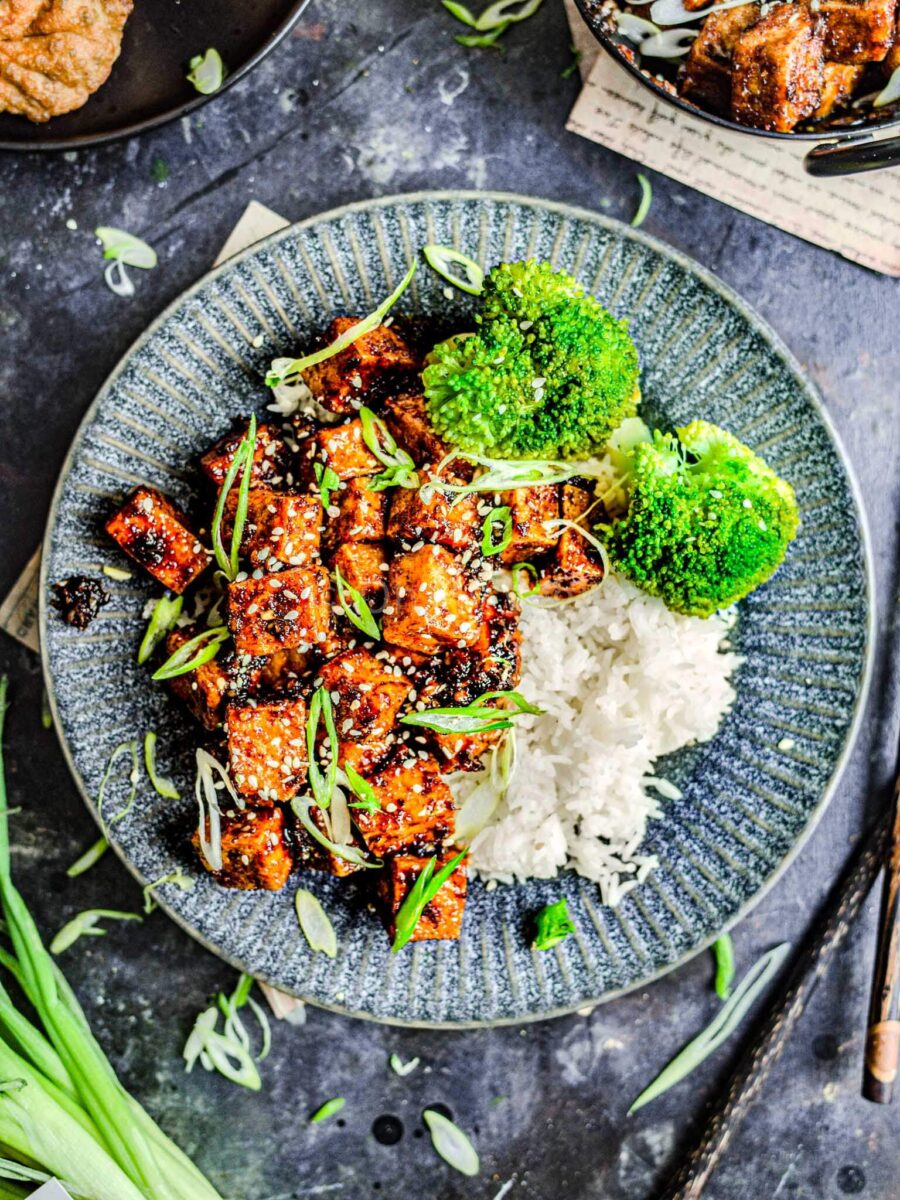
(623, 681)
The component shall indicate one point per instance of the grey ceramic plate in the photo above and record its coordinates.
(747, 803)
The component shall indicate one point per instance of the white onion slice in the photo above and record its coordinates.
(636, 29)
(673, 12)
(890, 93)
(669, 43)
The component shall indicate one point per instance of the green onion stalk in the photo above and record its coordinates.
(72, 1116)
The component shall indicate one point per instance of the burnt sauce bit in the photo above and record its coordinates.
(78, 599)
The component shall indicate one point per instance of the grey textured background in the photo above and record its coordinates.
(376, 100)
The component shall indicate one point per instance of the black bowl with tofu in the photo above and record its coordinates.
(780, 70)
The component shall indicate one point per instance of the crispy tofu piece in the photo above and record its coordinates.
(313, 856)
(342, 448)
(342, 382)
(281, 527)
(530, 508)
(364, 566)
(414, 519)
(362, 514)
(267, 748)
(839, 82)
(442, 917)
(155, 533)
(203, 690)
(255, 854)
(271, 456)
(494, 662)
(416, 814)
(857, 31)
(576, 566)
(283, 673)
(777, 70)
(706, 78)
(429, 604)
(289, 610)
(406, 416)
(367, 694)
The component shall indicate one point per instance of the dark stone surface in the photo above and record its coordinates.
(358, 103)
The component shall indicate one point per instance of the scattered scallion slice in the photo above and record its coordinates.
(723, 952)
(401, 1068)
(91, 856)
(356, 608)
(241, 461)
(209, 826)
(329, 1109)
(207, 72)
(196, 651)
(646, 200)
(674, 12)
(130, 748)
(227, 1052)
(322, 783)
(420, 895)
(165, 613)
(502, 475)
(400, 470)
(719, 1029)
(507, 12)
(328, 480)
(477, 717)
(442, 258)
(46, 714)
(460, 12)
(286, 369)
(553, 925)
(123, 250)
(351, 854)
(117, 574)
(530, 571)
(572, 68)
(164, 787)
(477, 41)
(315, 923)
(85, 925)
(501, 516)
(890, 92)
(451, 1143)
(177, 877)
(366, 796)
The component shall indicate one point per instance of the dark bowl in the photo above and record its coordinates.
(844, 146)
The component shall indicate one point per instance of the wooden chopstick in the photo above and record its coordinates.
(771, 1035)
(883, 1031)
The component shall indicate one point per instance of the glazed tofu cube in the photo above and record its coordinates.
(437, 519)
(362, 514)
(342, 382)
(313, 856)
(271, 456)
(857, 31)
(531, 509)
(364, 566)
(267, 748)
(342, 448)
(429, 603)
(290, 610)
(406, 416)
(255, 854)
(576, 566)
(839, 82)
(367, 694)
(155, 533)
(778, 67)
(442, 917)
(706, 78)
(281, 674)
(281, 527)
(493, 663)
(203, 690)
(416, 814)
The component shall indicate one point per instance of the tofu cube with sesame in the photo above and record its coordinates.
(777, 71)
(255, 855)
(364, 566)
(267, 749)
(271, 456)
(155, 533)
(416, 814)
(858, 31)
(429, 604)
(313, 856)
(576, 566)
(530, 510)
(281, 527)
(204, 690)
(370, 363)
(361, 514)
(442, 916)
(342, 448)
(367, 694)
(288, 610)
(442, 518)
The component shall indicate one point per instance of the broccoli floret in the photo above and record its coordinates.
(707, 521)
(548, 373)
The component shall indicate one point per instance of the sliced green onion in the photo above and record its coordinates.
(723, 952)
(220, 1052)
(474, 41)
(207, 72)
(118, 574)
(315, 923)
(322, 784)
(400, 468)
(164, 787)
(351, 854)
(530, 571)
(125, 248)
(356, 609)
(501, 516)
(502, 475)
(420, 895)
(500, 13)
(193, 654)
(891, 92)
(476, 717)
(553, 925)
(646, 200)
(328, 480)
(165, 613)
(441, 258)
(366, 796)
(569, 71)
(92, 855)
(451, 1143)
(329, 1109)
(130, 748)
(209, 825)
(401, 1068)
(719, 1029)
(673, 12)
(243, 458)
(85, 925)
(184, 882)
(46, 714)
(289, 368)
(460, 12)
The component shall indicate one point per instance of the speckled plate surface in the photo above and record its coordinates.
(747, 803)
